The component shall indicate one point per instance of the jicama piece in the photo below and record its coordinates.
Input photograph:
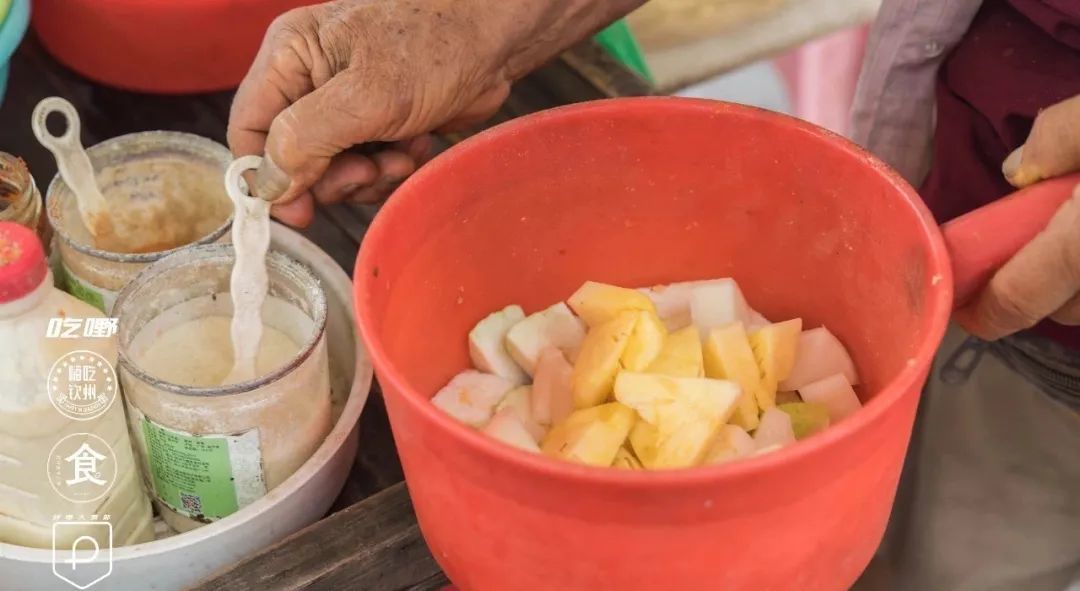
(774, 429)
(555, 326)
(732, 443)
(471, 396)
(487, 345)
(834, 393)
(717, 304)
(519, 403)
(552, 398)
(506, 427)
(819, 355)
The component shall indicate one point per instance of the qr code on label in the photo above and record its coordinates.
(191, 503)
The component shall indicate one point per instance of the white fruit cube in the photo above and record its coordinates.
(471, 396)
(716, 304)
(506, 427)
(552, 396)
(818, 355)
(553, 327)
(487, 345)
(518, 402)
(835, 393)
(732, 443)
(774, 430)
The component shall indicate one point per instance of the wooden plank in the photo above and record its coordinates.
(374, 545)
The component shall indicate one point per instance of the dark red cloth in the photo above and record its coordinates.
(1018, 57)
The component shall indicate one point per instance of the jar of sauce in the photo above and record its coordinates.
(20, 200)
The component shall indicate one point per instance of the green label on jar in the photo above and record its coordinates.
(79, 289)
(204, 477)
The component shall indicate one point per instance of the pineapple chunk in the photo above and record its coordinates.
(807, 418)
(835, 393)
(774, 350)
(626, 460)
(471, 396)
(686, 413)
(519, 403)
(507, 428)
(643, 440)
(716, 304)
(554, 327)
(552, 398)
(487, 346)
(728, 356)
(681, 355)
(732, 443)
(599, 303)
(819, 355)
(591, 436)
(598, 361)
(775, 430)
(645, 342)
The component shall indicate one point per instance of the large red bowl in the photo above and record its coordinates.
(158, 46)
(637, 192)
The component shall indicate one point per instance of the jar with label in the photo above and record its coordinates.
(208, 449)
(164, 192)
(20, 200)
(65, 453)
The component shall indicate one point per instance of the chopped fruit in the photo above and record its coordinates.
(519, 403)
(775, 429)
(731, 443)
(768, 449)
(834, 393)
(552, 398)
(599, 303)
(756, 321)
(819, 355)
(625, 459)
(643, 441)
(687, 413)
(487, 346)
(554, 327)
(783, 397)
(471, 396)
(681, 355)
(728, 356)
(598, 361)
(646, 342)
(672, 303)
(774, 350)
(591, 436)
(716, 304)
(807, 418)
(508, 428)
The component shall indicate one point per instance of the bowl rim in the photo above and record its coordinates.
(934, 317)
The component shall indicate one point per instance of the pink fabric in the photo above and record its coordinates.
(821, 77)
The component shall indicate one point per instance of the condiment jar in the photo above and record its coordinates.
(207, 451)
(20, 200)
(164, 192)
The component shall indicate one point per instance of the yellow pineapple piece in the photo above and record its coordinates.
(681, 355)
(774, 351)
(645, 342)
(727, 355)
(625, 459)
(598, 359)
(599, 303)
(591, 436)
(686, 412)
(643, 441)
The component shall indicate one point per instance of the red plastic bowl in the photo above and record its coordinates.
(637, 192)
(158, 46)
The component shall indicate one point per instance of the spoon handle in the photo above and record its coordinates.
(74, 164)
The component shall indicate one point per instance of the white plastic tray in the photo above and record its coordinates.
(179, 561)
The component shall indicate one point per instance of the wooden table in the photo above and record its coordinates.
(371, 540)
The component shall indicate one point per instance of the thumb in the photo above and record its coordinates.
(1052, 148)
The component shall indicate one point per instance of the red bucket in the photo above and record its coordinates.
(638, 192)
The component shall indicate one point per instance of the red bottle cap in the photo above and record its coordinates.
(22, 261)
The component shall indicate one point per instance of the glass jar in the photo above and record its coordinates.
(207, 450)
(20, 200)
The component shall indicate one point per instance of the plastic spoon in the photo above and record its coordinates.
(981, 241)
(74, 164)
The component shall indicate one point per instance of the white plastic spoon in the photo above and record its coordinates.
(74, 164)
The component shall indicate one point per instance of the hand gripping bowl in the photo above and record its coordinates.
(177, 562)
(638, 192)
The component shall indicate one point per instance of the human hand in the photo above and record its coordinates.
(1043, 279)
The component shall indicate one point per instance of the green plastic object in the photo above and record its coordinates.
(5, 6)
(620, 43)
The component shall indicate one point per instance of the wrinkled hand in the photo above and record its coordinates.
(332, 76)
(1043, 279)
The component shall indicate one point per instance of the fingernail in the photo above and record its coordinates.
(1012, 163)
(348, 190)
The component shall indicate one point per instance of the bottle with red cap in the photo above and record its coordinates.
(65, 453)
